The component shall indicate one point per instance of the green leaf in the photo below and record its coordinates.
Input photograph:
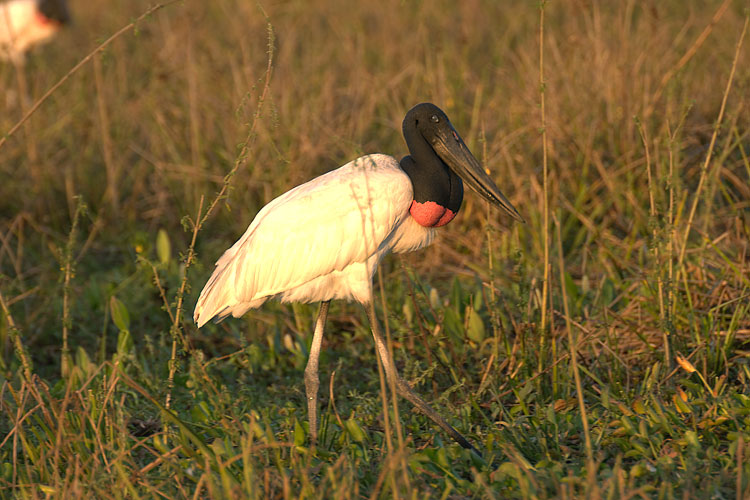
(453, 325)
(681, 406)
(478, 298)
(475, 330)
(638, 407)
(201, 413)
(443, 355)
(120, 314)
(7, 472)
(355, 431)
(159, 443)
(638, 470)
(124, 342)
(299, 434)
(408, 311)
(457, 295)
(83, 360)
(572, 289)
(163, 247)
(434, 299)
(608, 292)
(692, 439)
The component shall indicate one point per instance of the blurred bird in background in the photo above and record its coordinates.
(25, 23)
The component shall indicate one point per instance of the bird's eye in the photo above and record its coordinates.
(434, 118)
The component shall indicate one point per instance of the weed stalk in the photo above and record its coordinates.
(201, 218)
(15, 335)
(68, 273)
(545, 191)
(653, 215)
(573, 356)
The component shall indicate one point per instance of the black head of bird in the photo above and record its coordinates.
(55, 11)
(438, 161)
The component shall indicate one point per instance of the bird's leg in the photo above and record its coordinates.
(311, 371)
(404, 389)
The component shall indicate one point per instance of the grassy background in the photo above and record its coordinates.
(98, 277)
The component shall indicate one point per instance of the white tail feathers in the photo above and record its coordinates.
(213, 298)
(219, 298)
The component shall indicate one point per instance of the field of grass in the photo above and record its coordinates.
(601, 350)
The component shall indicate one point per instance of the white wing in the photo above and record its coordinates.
(335, 220)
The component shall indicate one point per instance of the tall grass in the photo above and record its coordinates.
(605, 358)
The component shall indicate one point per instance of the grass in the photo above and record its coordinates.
(132, 177)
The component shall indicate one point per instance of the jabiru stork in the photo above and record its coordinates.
(323, 240)
(25, 23)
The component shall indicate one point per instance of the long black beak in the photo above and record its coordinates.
(452, 150)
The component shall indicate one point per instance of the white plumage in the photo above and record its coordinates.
(23, 25)
(319, 241)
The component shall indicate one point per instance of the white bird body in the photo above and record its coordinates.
(319, 241)
(23, 25)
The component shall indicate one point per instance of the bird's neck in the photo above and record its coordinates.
(438, 192)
